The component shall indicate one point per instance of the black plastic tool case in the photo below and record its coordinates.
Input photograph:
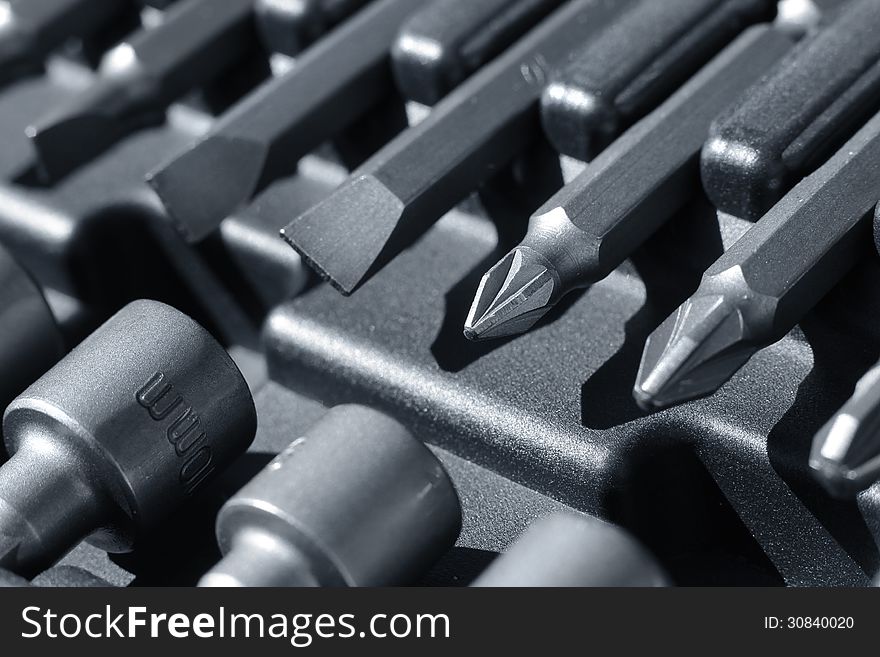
(718, 489)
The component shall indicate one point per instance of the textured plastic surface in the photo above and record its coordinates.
(718, 489)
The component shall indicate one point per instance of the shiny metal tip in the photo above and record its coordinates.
(512, 296)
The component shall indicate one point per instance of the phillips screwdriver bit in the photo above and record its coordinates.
(448, 40)
(573, 551)
(409, 184)
(117, 435)
(635, 64)
(846, 452)
(357, 501)
(288, 26)
(588, 228)
(140, 78)
(31, 29)
(763, 285)
(818, 97)
(262, 137)
(30, 342)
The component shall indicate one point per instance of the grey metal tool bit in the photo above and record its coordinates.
(31, 29)
(635, 64)
(117, 435)
(768, 280)
(30, 342)
(448, 40)
(569, 550)
(288, 26)
(798, 116)
(416, 178)
(139, 78)
(356, 501)
(263, 137)
(846, 452)
(595, 222)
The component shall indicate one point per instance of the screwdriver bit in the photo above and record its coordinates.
(635, 64)
(30, 342)
(818, 97)
(845, 451)
(448, 40)
(262, 137)
(357, 501)
(573, 551)
(140, 78)
(31, 29)
(118, 434)
(763, 285)
(588, 228)
(288, 26)
(397, 194)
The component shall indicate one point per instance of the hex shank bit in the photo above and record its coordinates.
(31, 29)
(140, 78)
(846, 451)
(262, 137)
(635, 64)
(588, 228)
(117, 435)
(288, 26)
(416, 178)
(573, 551)
(30, 341)
(768, 280)
(448, 40)
(357, 501)
(798, 116)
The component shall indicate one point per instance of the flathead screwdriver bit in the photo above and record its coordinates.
(402, 190)
(798, 116)
(262, 138)
(573, 551)
(30, 341)
(117, 435)
(356, 501)
(140, 78)
(588, 228)
(288, 26)
(845, 457)
(761, 287)
(635, 64)
(31, 29)
(448, 40)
